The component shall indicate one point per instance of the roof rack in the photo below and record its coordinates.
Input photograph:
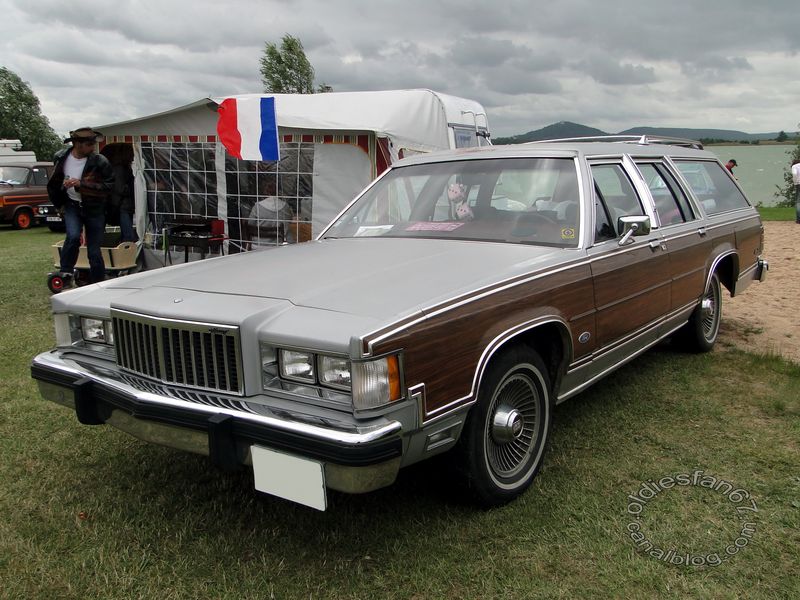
(643, 140)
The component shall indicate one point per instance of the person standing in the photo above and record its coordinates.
(121, 203)
(796, 180)
(79, 188)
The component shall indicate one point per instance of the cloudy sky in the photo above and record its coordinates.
(610, 64)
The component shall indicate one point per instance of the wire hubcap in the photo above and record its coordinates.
(513, 429)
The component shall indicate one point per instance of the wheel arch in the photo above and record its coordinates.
(726, 265)
(549, 337)
(24, 209)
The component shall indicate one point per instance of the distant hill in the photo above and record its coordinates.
(567, 129)
(698, 134)
(563, 129)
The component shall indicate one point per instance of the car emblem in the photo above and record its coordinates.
(584, 337)
(217, 330)
(177, 300)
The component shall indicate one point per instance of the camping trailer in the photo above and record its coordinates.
(332, 146)
(11, 153)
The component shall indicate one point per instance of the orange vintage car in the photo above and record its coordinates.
(23, 187)
(448, 308)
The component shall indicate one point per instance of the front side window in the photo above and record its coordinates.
(516, 200)
(712, 185)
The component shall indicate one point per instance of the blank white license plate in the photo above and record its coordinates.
(300, 480)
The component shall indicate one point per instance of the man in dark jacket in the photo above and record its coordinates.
(79, 188)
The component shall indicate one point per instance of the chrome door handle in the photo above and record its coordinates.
(702, 231)
(657, 244)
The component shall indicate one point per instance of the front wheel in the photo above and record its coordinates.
(502, 446)
(701, 331)
(55, 283)
(23, 219)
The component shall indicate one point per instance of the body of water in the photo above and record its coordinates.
(760, 168)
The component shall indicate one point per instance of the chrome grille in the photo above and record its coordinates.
(198, 355)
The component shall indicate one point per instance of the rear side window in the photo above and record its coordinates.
(671, 203)
(616, 198)
(39, 176)
(712, 186)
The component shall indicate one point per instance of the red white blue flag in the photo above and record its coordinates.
(248, 129)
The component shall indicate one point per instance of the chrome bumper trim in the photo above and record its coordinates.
(763, 267)
(340, 432)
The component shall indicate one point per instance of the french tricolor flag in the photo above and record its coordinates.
(248, 129)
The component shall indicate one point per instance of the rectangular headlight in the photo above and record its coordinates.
(334, 371)
(297, 366)
(97, 331)
(376, 382)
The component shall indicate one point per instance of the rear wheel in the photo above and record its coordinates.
(23, 219)
(701, 332)
(502, 446)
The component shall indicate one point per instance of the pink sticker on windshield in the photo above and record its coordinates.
(428, 226)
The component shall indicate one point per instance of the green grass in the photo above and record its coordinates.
(777, 213)
(88, 512)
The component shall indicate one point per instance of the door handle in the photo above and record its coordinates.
(654, 244)
(702, 231)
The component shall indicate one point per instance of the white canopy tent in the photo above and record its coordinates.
(332, 144)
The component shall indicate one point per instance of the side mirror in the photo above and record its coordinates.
(633, 225)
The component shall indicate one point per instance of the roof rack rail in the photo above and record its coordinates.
(643, 140)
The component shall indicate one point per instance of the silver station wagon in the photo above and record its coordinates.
(448, 308)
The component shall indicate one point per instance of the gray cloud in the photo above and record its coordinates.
(611, 72)
(609, 65)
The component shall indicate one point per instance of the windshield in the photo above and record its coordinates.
(15, 175)
(515, 200)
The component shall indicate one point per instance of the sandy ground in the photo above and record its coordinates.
(766, 317)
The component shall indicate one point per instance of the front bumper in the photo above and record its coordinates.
(356, 457)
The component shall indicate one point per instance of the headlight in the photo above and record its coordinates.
(297, 366)
(376, 382)
(97, 331)
(373, 383)
(334, 371)
(68, 329)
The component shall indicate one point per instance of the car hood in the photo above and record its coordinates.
(382, 278)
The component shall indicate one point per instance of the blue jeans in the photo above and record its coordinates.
(127, 234)
(74, 220)
(797, 202)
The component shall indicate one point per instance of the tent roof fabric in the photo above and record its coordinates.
(415, 119)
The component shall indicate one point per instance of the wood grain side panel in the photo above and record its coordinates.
(445, 350)
(749, 243)
(632, 289)
(688, 256)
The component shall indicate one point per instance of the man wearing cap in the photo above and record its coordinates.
(730, 164)
(79, 187)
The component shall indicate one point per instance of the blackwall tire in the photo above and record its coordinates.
(503, 443)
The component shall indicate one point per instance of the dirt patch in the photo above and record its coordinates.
(766, 317)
